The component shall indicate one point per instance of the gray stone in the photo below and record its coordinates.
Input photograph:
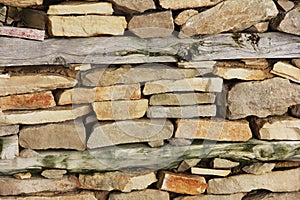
(9, 147)
(237, 196)
(274, 196)
(9, 130)
(259, 168)
(286, 5)
(220, 163)
(53, 173)
(291, 22)
(187, 164)
(179, 4)
(148, 194)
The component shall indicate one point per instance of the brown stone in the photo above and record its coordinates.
(290, 23)
(237, 196)
(240, 15)
(148, 194)
(27, 101)
(133, 6)
(260, 64)
(220, 163)
(181, 183)
(28, 153)
(179, 4)
(296, 62)
(152, 25)
(259, 168)
(275, 196)
(18, 3)
(184, 16)
(211, 172)
(200, 65)
(9, 130)
(34, 18)
(213, 129)
(9, 147)
(287, 164)
(22, 176)
(260, 27)
(286, 5)
(187, 164)
(287, 70)
(85, 195)
(53, 173)
(295, 110)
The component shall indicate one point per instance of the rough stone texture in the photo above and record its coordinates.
(212, 172)
(240, 15)
(259, 168)
(237, 196)
(259, 27)
(53, 173)
(86, 26)
(286, 5)
(120, 110)
(133, 131)
(84, 8)
(89, 95)
(220, 163)
(287, 164)
(28, 153)
(123, 181)
(152, 25)
(27, 101)
(69, 196)
(9, 147)
(13, 186)
(291, 22)
(242, 73)
(187, 164)
(287, 70)
(171, 99)
(148, 194)
(34, 83)
(274, 196)
(157, 143)
(276, 128)
(260, 63)
(18, 3)
(134, 6)
(184, 16)
(66, 135)
(25, 33)
(181, 112)
(181, 183)
(185, 85)
(179, 4)
(213, 129)
(296, 62)
(9, 130)
(21, 176)
(269, 97)
(280, 181)
(200, 65)
(295, 110)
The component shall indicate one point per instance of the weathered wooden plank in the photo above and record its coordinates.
(129, 156)
(117, 50)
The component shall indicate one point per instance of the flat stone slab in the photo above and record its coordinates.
(179, 4)
(211, 172)
(9, 130)
(133, 6)
(18, 3)
(148, 194)
(237, 196)
(9, 147)
(287, 70)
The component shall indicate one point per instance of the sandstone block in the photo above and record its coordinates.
(134, 131)
(122, 181)
(212, 172)
(239, 16)
(86, 26)
(290, 23)
(133, 6)
(148, 194)
(264, 98)
(200, 65)
(259, 168)
(152, 25)
(68, 196)
(181, 183)
(9, 130)
(286, 70)
(179, 4)
(242, 73)
(237, 196)
(184, 16)
(260, 27)
(259, 63)
(213, 129)
(220, 163)
(18, 3)
(53, 173)
(9, 147)
(286, 5)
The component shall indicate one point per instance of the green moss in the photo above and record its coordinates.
(237, 38)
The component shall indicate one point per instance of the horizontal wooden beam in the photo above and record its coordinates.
(141, 156)
(120, 50)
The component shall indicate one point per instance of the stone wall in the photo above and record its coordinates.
(150, 99)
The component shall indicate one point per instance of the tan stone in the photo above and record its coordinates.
(212, 172)
(287, 164)
(181, 112)
(84, 8)
(171, 99)
(279, 181)
(259, 168)
(260, 27)
(286, 5)
(89, 95)
(22, 176)
(28, 153)
(56, 114)
(260, 63)
(134, 5)
(133, 131)
(34, 83)
(181, 183)
(291, 22)
(220, 163)
(287, 70)
(237, 196)
(68, 196)
(157, 143)
(179, 4)
(101, 195)
(86, 26)
(242, 73)
(275, 196)
(53, 173)
(185, 85)
(240, 15)
(66, 135)
(9, 130)
(276, 128)
(200, 65)
(123, 181)
(213, 129)
(296, 62)
(148, 194)
(18, 3)
(159, 24)
(184, 16)
(12, 186)
(9, 147)
(187, 164)
(27, 101)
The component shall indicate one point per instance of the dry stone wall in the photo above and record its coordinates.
(149, 99)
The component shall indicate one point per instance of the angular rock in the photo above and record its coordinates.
(295, 110)
(184, 16)
(56, 114)
(133, 6)
(9, 130)
(53, 173)
(66, 196)
(122, 181)
(89, 95)
(213, 129)
(179, 99)
(159, 24)
(34, 83)
(287, 70)
(101, 195)
(242, 73)
(120, 110)
(84, 8)
(286, 5)
(209, 65)
(181, 112)
(148, 194)
(264, 98)
(86, 26)
(296, 62)
(27, 101)
(12, 186)
(179, 4)
(184, 85)
(275, 196)
(26, 33)
(279, 181)
(28, 153)
(9, 147)
(21, 176)
(259, 168)
(239, 16)
(276, 128)
(290, 23)
(18, 3)
(157, 143)
(66, 135)
(237, 196)
(181, 183)
(187, 164)
(260, 27)
(133, 131)
(220, 163)
(211, 172)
